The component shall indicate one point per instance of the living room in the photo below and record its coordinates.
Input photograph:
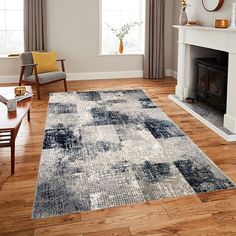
(117, 117)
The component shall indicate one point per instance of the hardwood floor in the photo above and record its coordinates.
(205, 214)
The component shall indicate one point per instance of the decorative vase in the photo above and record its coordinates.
(183, 19)
(121, 47)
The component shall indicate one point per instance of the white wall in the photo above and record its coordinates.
(76, 37)
(73, 31)
(197, 12)
(9, 66)
(208, 18)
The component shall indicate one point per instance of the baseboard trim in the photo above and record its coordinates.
(8, 79)
(93, 76)
(172, 73)
(104, 75)
(85, 76)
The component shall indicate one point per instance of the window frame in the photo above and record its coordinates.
(100, 53)
(13, 54)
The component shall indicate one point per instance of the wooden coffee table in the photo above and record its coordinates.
(10, 122)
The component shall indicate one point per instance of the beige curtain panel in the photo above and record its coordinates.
(35, 25)
(154, 61)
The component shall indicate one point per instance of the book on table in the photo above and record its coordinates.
(11, 96)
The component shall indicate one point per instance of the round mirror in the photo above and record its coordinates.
(212, 5)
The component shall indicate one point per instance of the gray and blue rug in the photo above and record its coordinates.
(110, 148)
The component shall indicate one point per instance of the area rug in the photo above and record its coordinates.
(110, 148)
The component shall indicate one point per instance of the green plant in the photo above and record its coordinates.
(124, 30)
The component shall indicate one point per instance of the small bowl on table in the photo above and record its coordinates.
(20, 90)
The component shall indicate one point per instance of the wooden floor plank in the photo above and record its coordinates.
(122, 210)
(103, 224)
(204, 214)
(20, 233)
(176, 227)
(113, 232)
(178, 211)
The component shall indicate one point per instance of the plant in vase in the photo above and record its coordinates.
(183, 19)
(121, 32)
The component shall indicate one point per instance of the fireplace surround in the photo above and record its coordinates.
(191, 40)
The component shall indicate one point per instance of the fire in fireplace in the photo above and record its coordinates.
(212, 82)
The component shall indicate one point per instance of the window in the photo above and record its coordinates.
(11, 27)
(115, 14)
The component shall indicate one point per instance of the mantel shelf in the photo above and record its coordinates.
(204, 28)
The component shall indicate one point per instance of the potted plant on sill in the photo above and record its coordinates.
(124, 30)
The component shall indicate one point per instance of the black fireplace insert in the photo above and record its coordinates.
(212, 82)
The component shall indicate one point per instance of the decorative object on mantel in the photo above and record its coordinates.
(233, 19)
(124, 30)
(183, 19)
(212, 5)
(193, 23)
(221, 23)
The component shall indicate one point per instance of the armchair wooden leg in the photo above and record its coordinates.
(20, 82)
(38, 91)
(65, 85)
(21, 75)
(13, 137)
(37, 82)
(29, 115)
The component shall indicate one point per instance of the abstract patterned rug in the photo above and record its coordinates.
(110, 148)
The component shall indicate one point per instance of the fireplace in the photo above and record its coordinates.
(203, 42)
(211, 77)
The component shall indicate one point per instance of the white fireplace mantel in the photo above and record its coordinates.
(212, 38)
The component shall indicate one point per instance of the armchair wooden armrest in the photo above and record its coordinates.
(28, 65)
(22, 70)
(62, 64)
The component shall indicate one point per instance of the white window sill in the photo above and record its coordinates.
(7, 57)
(118, 54)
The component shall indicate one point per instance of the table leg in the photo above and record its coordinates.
(13, 138)
(29, 115)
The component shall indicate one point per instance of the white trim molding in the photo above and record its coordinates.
(120, 55)
(92, 75)
(104, 75)
(85, 76)
(5, 79)
(172, 73)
